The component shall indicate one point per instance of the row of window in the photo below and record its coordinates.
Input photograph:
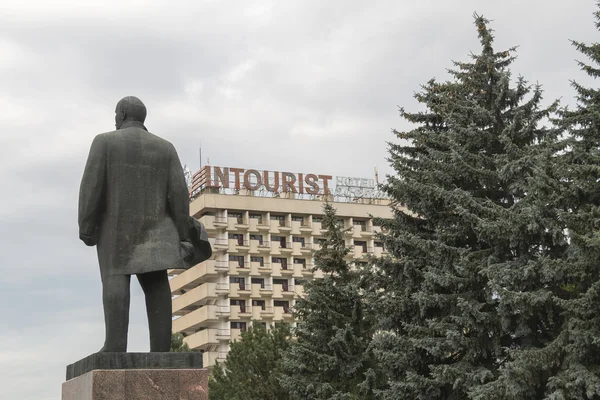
(241, 260)
(295, 218)
(260, 303)
(242, 282)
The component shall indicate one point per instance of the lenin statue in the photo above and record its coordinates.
(134, 206)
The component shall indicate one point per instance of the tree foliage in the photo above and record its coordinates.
(253, 366)
(328, 358)
(472, 250)
(177, 344)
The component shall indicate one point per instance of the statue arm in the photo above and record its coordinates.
(178, 197)
(92, 192)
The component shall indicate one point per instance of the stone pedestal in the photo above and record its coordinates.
(138, 384)
(137, 376)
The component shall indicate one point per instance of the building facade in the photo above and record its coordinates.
(262, 254)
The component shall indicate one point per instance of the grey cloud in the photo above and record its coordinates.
(304, 86)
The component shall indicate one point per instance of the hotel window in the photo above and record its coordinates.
(258, 259)
(237, 236)
(298, 219)
(257, 237)
(362, 244)
(299, 282)
(258, 217)
(297, 239)
(259, 303)
(237, 215)
(283, 282)
(317, 218)
(281, 240)
(238, 325)
(301, 261)
(258, 281)
(280, 218)
(239, 259)
(282, 261)
(240, 303)
(284, 304)
(239, 280)
(361, 223)
(378, 244)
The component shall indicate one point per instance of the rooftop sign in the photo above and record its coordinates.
(274, 183)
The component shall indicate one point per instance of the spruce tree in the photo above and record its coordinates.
(177, 343)
(328, 357)
(253, 366)
(467, 237)
(578, 170)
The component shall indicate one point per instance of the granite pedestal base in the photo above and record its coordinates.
(137, 376)
(138, 384)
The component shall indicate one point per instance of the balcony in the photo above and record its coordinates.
(239, 312)
(236, 245)
(239, 290)
(266, 312)
(237, 223)
(298, 270)
(267, 290)
(264, 247)
(257, 268)
(195, 298)
(258, 225)
(200, 318)
(200, 340)
(306, 227)
(282, 313)
(193, 277)
(360, 251)
(288, 248)
(286, 271)
(237, 268)
(280, 226)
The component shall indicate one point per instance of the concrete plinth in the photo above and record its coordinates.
(138, 384)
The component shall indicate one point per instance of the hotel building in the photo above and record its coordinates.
(264, 228)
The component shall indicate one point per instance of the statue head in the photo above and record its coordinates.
(129, 108)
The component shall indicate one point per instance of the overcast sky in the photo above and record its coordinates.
(301, 86)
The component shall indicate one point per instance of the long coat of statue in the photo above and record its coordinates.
(134, 202)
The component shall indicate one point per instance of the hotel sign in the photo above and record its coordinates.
(276, 182)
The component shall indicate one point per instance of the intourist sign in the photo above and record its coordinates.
(252, 179)
(234, 179)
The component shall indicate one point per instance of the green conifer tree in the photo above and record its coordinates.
(328, 358)
(253, 366)
(177, 343)
(578, 170)
(469, 237)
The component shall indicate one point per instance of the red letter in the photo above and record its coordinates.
(223, 176)
(325, 185)
(287, 182)
(247, 184)
(310, 181)
(275, 181)
(237, 171)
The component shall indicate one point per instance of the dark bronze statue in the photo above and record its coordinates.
(134, 206)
